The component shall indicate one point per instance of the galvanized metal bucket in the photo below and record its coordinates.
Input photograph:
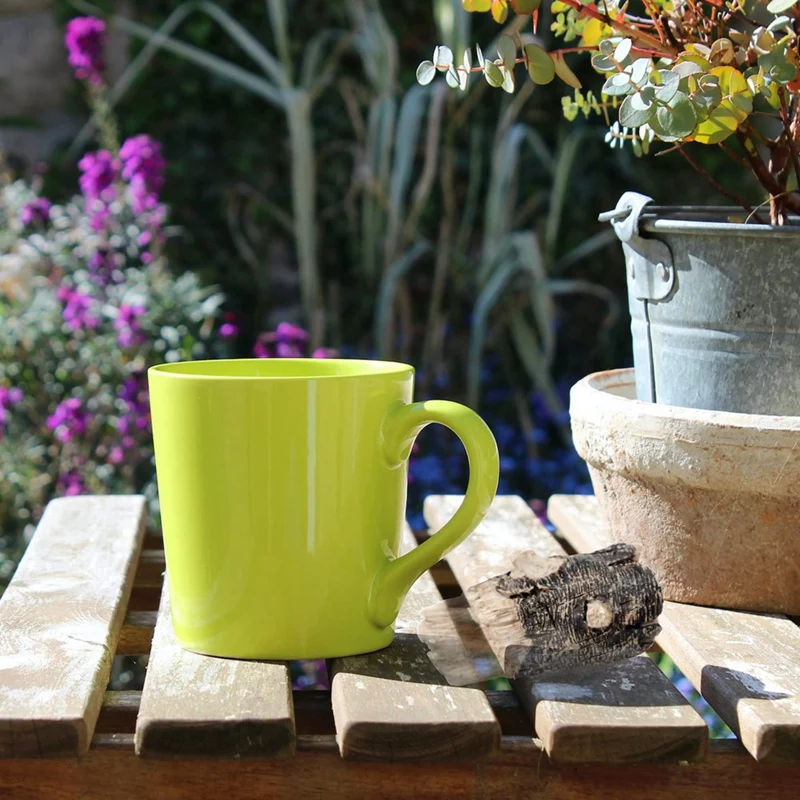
(715, 307)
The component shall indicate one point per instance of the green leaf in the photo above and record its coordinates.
(442, 58)
(623, 50)
(675, 121)
(493, 73)
(618, 85)
(686, 68)
(525, 6)
(452, 78)
(508, 80)
(779, 6)
(606, 47)
(603, 63)
(540, 65)
(635, 112)
(426, 72)
(507, 50)
(638, 70)
(564, 72)
(670, 83)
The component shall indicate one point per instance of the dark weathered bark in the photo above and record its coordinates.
(552, 614)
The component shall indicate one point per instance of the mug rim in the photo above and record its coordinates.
(364, 368)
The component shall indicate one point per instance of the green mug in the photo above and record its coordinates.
(282, 486)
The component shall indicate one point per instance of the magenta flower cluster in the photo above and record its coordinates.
(85, 40)
(36, 212)
(135, 401)
(69, 420)
(8, 397)
(143, 168)
(127, 325)
(80, 309)
(288, 341)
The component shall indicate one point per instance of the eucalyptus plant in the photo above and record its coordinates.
(721, 73)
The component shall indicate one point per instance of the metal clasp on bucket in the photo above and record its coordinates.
(649, 261)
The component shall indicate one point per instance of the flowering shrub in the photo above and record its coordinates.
(86, 306)
(678, 72)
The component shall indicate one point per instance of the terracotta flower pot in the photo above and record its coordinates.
(711, 498)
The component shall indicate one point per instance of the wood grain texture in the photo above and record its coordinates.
(519, 772)
(394, 705)
(622, 713)
(747, 666)
(196, 705)
(59, 622)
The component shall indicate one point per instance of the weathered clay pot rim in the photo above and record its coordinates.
(599, 386)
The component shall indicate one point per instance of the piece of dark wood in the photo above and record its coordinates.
(746, 665)
(551, 614)
(622, 713)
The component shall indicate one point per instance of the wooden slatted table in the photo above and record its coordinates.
(91, 586)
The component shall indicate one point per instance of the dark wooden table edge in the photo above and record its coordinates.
(521, 769)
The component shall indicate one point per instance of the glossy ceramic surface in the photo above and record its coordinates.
(282, 485)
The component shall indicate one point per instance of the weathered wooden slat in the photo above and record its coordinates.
(59, 622)
(394, 705)
(150, 569)
(519, 771)
(747, 666)
(196, 705)
(622, 713)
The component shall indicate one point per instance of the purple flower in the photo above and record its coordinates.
(127, 325)
(38, 211)
(289, 333)
(102, 266)
(101, 170)
(68, 420)
(85, 39)
(78, 309)
(325, 352)
(265, 346)
(8, 397)
(230, 328)
(288, 350)
(116, 456)
(134, 394)
(143, 168)
(71, 484)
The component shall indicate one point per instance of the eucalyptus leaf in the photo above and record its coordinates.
(686, 68)
(508, 80)
(623, 50)
(479, 56)
(669, 86)
(633, 112)
(618, 85)
(443, 58)
(452, 78)
(426, 72)
(603, 63)
(675, 121)
(493, 73)
(541, 68)
(779, 6)
(638, 70)
(507, 50)
(606, 47)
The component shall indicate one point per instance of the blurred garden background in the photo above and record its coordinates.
(244, 178)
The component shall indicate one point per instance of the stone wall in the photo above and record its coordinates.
(35, 77)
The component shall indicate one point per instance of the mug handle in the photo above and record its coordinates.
(403, 424)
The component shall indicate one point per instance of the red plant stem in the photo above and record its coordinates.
(634, 33)
(765, 178)
(789, 135)
(721, 189)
